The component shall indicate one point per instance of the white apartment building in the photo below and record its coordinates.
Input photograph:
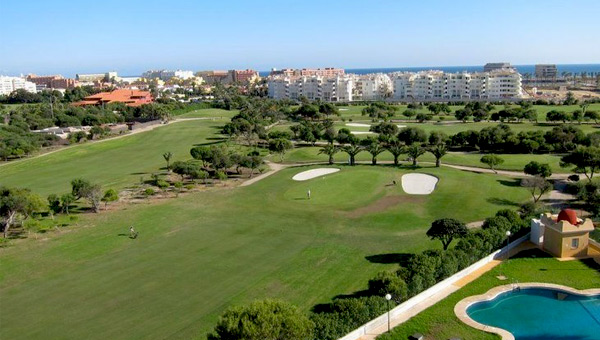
(437, 85)
(314, 87)
(376, 86)
(168, 74)
(10, 84)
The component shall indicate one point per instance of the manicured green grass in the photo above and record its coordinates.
(205, 251)
(355, 112)
(213, 113)
(440, 322)
(454, 128)
(514, 162)
(112, 163)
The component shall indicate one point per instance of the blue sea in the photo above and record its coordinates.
(572, 68)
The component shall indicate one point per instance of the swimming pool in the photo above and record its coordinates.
(541, 313)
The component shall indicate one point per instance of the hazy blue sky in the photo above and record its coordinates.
(131, 36)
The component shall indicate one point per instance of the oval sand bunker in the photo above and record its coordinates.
(309, 174)
(418, 184)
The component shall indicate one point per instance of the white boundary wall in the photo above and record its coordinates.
(382, 320)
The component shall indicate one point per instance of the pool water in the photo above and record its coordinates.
(537, 313)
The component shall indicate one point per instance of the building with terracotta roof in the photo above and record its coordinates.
(244, 76)
(562, 235)
(52, 82)
(126, 96)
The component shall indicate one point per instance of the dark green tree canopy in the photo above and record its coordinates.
(263, 320)
(446, 229)
(538, 169)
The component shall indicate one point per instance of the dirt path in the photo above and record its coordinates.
(498, 172)
(273, 168)
(134, 132)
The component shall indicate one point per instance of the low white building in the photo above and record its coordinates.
(10, 84)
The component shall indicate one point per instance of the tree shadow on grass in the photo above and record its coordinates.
(215, 140)
(531, 254)
(592, 264)
(510, 183)
(502, 201)
(400, 258)
(326, 307)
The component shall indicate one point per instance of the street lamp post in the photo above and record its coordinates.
(507, 240)
(388, 297)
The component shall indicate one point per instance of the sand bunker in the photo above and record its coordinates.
(358, 124)
(401, 126)
(362, 132)
(309, 174)
(418, 184)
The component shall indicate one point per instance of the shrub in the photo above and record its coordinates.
(388, 283)
(266, 319)
(221, 175)
(344, 315)
(517, 223)
(497, 222)
(54, 203)
(161, 183)
(529, 210)
(149, 192)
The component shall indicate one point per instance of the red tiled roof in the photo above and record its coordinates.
(129, 97)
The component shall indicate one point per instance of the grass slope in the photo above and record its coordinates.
(112, 163)
(198, 254)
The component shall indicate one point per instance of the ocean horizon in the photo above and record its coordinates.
(571, 68)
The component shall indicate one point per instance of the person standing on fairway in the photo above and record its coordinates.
(308, 194)
(132, 233)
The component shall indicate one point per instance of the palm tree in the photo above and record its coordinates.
(329, 150)
(414, 151)
(438, 151)
(375, 148)
(352, 151)
(396, 148)
(167, 156)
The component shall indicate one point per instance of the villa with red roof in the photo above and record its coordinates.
(128, 97)
(563, 235)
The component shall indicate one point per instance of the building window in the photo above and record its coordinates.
(575, 243)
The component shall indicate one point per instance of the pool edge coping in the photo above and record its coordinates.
(460, 309)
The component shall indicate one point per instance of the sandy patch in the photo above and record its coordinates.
(343, 109)
(418, 184)
(313, 173)
(401, 126)
(362, 132)
(384, 204)
(358, 124)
